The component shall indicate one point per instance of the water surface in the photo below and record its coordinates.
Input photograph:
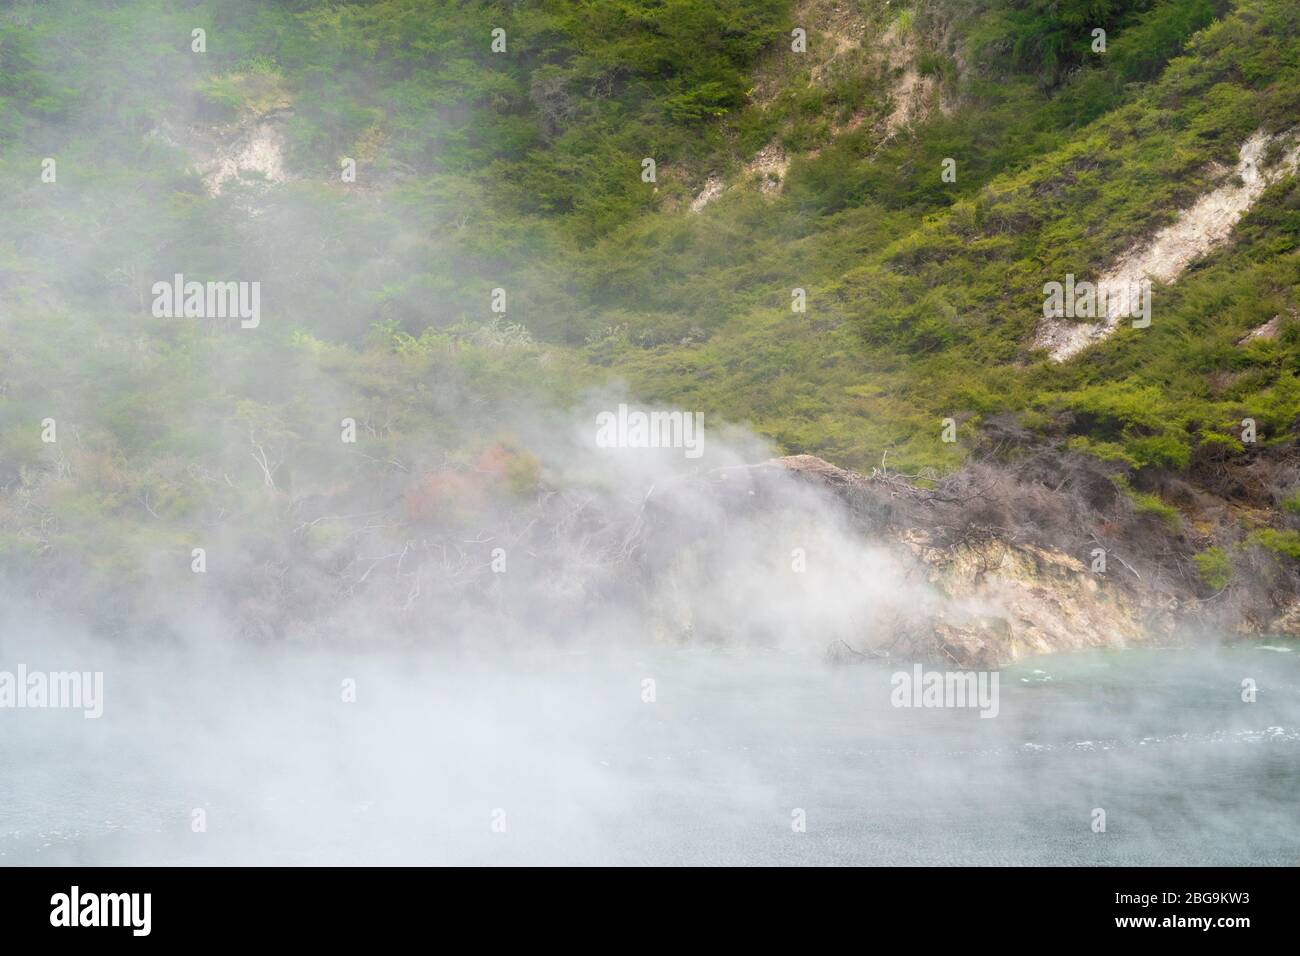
(563, 749)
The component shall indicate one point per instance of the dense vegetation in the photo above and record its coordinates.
(522, 170)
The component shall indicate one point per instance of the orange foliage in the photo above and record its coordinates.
(449, 492)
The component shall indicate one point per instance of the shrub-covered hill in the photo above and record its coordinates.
(796, 146)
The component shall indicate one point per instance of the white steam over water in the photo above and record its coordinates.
(562, 747)
(525, 706)
(501, 715)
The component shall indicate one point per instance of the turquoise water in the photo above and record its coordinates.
(564, 750)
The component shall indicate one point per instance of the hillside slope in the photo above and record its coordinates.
(819, 169)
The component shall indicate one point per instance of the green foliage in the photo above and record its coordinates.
(1286, 543)
(521, 170)
(1215, 568)
(1146, 503)
(1055, 37)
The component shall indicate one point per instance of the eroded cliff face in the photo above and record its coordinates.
(1017, 566)
(999, 598)
(1006, 601)
(246, 150)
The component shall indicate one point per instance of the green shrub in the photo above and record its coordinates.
(1280, 542)
(1151, 504)
(1215, 568)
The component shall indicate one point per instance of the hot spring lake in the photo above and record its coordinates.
(563, 754)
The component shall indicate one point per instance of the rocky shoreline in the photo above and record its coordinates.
(1026, 568)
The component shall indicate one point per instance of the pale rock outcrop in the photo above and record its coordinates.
(1204, 226)
(997, 600)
